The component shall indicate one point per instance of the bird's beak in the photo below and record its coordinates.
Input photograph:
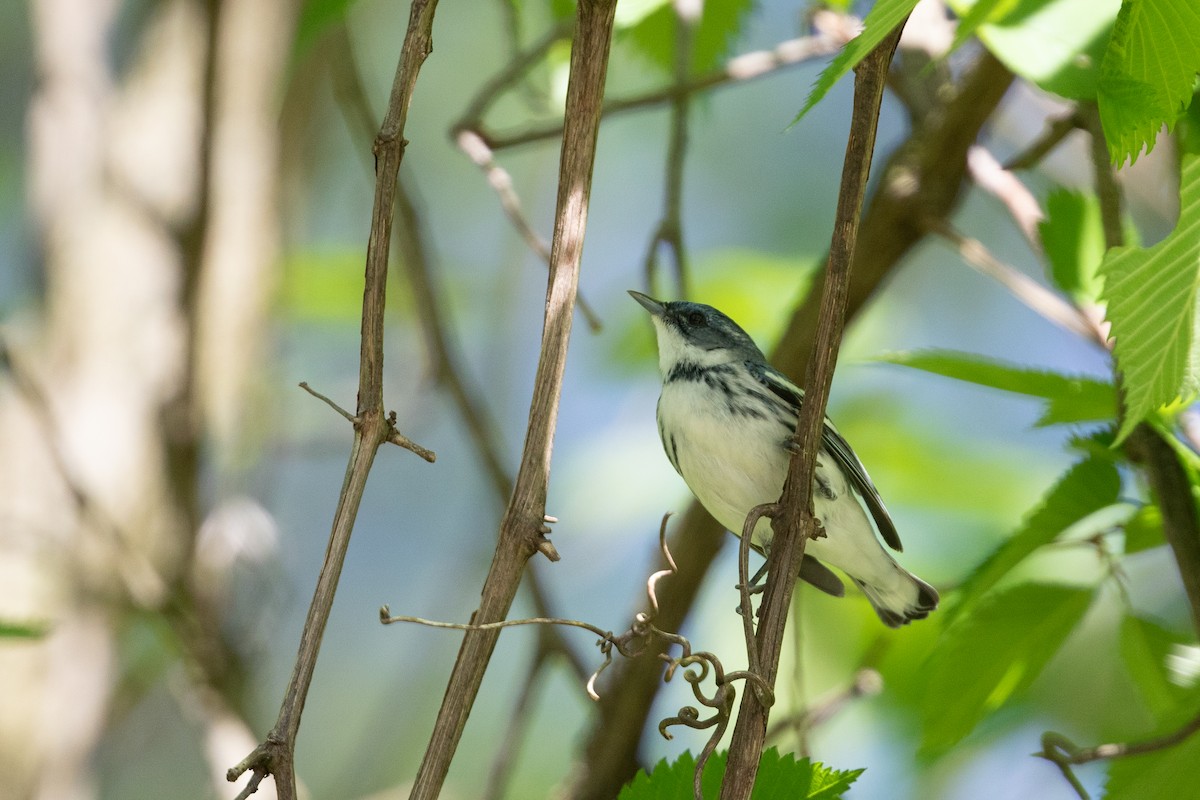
(649, 303)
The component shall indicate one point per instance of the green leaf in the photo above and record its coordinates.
(1144, 530)
(10, 629)
(650, 26)
(315, 18)
(1151, 297)
(983, 659)
(323, 286)
(1148, 72)
(1071, 398)
(780, 777)
(1057, 44)
(1145, 646)
(1073, 239)
(978, 13)
(883, 17)
(1086, 488)
(1169, 774)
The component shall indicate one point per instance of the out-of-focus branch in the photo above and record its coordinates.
(793, 521)
(521, 530)
(741, 68)
(1056, 130)
(669, 232)
(1064, 753)
(372, 427)
(925, 174)
(1031, 293)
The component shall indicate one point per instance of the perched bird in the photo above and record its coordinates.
(727, 419)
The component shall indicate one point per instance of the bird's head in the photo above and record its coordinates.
(696, 333)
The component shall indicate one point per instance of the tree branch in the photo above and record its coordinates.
(1064, 753)
(521, 529)
(793, 521)
(371, 426)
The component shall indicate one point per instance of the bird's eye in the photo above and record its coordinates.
(696, 319)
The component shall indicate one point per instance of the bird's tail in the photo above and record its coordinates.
(906, 599)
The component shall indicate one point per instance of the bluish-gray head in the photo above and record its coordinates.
(697, 333)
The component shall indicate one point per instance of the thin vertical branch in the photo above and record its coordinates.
(372, 427)
(670, 228)
(521, 530)
(793, 520)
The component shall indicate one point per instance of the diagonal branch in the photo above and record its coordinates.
(521, 529)
(793, 521)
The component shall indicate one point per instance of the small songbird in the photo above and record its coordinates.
(727, 419)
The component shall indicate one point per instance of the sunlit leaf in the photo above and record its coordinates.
(1151, 299)
(1148, 72)
(1070, 398)
(883, 17)
(1089, 486)
(986, 657)
(1057, 44)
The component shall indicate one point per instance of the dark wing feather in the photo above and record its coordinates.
(833, 443)
(821, 577)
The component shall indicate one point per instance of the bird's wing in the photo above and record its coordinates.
(821, 576)
(833, 443)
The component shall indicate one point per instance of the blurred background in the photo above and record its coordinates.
(182, 242)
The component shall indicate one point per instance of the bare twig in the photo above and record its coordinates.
(521, 529)
(1006, 187)
(793, 521)
(1031, 293)
(741, 68)
(867, 682)
(501, 182)
(1056, 130)
(371, 427)
(1064, 753)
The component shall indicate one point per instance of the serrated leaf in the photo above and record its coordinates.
(1073, 239)
(780, 777)
(1148, 72)
(883, 17)
(1071, 398)
(1144, 530)
(986, 657)
(1090, 486)
(1057, 44)
(1151, 299)
(1145, 646)
(1168, 774)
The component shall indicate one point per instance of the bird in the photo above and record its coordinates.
(727, 420)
